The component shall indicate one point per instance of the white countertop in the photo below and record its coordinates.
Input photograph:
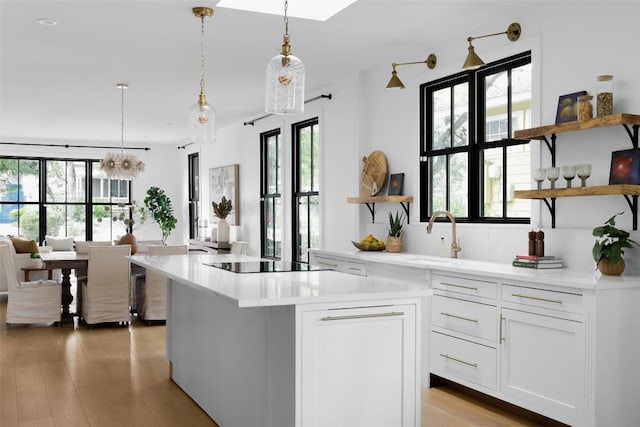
(272, 289)
(555, 277)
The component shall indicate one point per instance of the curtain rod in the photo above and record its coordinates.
(182, 147)
(252, 122)
(74, 146)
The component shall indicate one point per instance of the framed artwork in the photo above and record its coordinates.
(568, 107)
(395, 184)
(224, 181)
(625, 167)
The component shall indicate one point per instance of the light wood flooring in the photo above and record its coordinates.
(118, 376)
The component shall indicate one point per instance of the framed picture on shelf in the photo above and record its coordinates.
(625, 167)
(223, 181)
(395, 184)
(568, 107)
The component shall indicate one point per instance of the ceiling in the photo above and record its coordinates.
(58, 83)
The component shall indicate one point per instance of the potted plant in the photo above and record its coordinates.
(394, 240)
(222, 210)
(35, 259)
(608, 250)
(159, 206)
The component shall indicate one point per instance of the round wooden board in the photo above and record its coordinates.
(374, 170)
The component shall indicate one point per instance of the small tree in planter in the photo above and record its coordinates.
(608, 250)
(159, 206)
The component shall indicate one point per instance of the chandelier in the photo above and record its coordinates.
(120, 164)
(285, 79)
(202, 118)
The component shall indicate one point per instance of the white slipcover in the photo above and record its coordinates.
(105, 294)
(24, 260)
(36, 301)
(151, 293)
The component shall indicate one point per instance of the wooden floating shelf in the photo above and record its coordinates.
(597, 190)
(611, 120)
(381, 199)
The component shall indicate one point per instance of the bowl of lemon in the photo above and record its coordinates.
(369, 243)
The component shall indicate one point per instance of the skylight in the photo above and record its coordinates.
(319, 10)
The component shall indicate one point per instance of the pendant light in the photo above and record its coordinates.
(285, 78)
(121, 165)
(202, 117)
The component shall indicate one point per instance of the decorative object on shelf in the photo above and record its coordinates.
(568, 173)
(369, 243)
(473, 61)
(584, 171)
(608, 250)
(396, 232)
(374, 173)
(604, 102)
(160, 209)
(568, 107)
(202, 117)
(129, 216)
(121, 165)
(224, 182)
(625, 167)
(539, 174)
(222, 210)
(532, 243)
(585, 108)
(553, 173)
(539, 243)
(285, 78)
(129, 239)
(396, 83)
(396, 180)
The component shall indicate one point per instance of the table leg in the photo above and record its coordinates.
(67, 298)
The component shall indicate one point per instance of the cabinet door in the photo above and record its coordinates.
(543, 364)
(359, 367)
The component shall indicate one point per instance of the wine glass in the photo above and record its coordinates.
(568, 173)
(584, 172)
(553, 174)
(538, 176)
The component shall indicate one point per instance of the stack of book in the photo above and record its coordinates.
(532, 261)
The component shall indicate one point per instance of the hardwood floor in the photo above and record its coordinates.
(118, 376)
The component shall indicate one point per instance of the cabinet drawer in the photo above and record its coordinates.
(357, 268)
(571, 303)
(460, 285)
(327, 262)
(458, 359)
(478, 320)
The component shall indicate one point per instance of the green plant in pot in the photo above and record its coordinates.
(222, 210)
(159, 206)
(394, 240)
(608, 250)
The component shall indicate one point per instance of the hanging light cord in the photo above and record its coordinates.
(202, 54)
(122, 88)
(286, 18)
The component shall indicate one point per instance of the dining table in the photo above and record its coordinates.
(66, 261)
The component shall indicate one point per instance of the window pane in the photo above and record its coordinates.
(521, 97)
(56, 180)
(441, 119)
(304, 153)
(438, 182)
(492, 175)
(518, 178)
(458, 185)
(76, 182)
(314, 220)
(496, 101)
(315, 158)
(273, 164)
(277, 227)
(56, 220)
(461, 115)
(66, 220)
(303, 229)
(76, 221)
(102, 223)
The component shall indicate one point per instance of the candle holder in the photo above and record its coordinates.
(584, 172)
(568, 173)
(539, 176)
(553, 174)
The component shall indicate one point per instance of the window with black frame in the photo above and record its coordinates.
(271, 197)
(470, 163)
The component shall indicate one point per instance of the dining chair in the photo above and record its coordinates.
(36, 301)
(152, 291)
(82, 246)
(239, 248)
(105, 293)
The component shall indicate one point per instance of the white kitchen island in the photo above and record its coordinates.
(278, 349)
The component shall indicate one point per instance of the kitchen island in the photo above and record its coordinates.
(292, 348)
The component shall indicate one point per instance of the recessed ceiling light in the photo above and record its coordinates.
(316, 10)
(47, 21)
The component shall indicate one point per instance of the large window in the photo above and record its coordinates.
(41, 197)
(271, 197)
(196, 224)
(470, 164)
(306, 179)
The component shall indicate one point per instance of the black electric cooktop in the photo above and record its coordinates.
(263, 266)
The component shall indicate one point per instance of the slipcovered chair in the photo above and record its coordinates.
(152, 291)
(105, 293)
(36, 301)
(239, 248)
(82, 246)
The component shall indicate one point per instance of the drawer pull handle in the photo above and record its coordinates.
(364, 316)
(446, 356)
(328, 264)
(460, 286)
(555, 301)
(459, 317)
(502, 339)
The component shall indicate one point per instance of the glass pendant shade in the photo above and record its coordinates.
(285, 85)
(202, 122)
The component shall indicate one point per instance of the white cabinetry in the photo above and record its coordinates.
(338, 263)
(358, 366)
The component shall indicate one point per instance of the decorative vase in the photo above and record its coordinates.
(223, 231)
(610, 268)
(129, 239)
(394, 244)
(214, 233)
(35, 262)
